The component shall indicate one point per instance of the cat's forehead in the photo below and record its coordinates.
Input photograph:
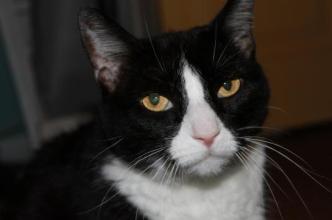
(198, 48)
(164, 55)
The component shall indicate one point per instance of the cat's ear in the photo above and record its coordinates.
(236, 22)
(108, 46)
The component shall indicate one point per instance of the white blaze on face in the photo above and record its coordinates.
(203, 144)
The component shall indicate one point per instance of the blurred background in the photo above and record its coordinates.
(47, 87)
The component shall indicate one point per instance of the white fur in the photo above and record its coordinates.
(235, 195)
(201, 120)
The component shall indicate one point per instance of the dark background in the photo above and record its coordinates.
(47, 87)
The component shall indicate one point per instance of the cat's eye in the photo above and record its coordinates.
(229, 88)
(156, 103)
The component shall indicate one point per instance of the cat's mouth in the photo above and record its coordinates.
(196, 159)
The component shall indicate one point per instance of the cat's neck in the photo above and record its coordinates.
(236, 195)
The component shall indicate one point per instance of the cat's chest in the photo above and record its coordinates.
(238, 198)
(189, 203)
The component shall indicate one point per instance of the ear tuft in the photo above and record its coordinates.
(236, 20)
(107, 44)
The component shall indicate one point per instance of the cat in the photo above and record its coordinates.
(168, 142)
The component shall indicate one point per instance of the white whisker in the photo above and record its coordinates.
(244, 159)
(153, 48)
(290, 160)
(224, 51)
(106, 149)
(215, 41)
(253, 151)
(288, 179)
(277, 109)
(267, 141)
(258, 127)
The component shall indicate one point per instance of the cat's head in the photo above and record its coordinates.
(181, 98)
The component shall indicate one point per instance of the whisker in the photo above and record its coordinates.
(224, 51)
(229, 59)
(177, 171)
(215, 41)
(289, 180)
(148, 152)
(106, 149)
(131, 166)
(150, 166)
(277, 109)
(253, 150)
(101, 203)
(109, 139)
(267, 141)
(136, 214)
(165, 173)
(258, 127)
(170, 176)
(153, 48)
(244, 159)
(295, 163)
(104, 201)
(144, 156)
(159, 169)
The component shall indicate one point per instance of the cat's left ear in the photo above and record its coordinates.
(109, 46)
(236, 22)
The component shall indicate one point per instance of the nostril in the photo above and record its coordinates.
(207, 140)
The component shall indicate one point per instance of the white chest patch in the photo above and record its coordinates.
(236, 195)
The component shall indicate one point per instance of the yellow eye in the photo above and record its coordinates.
(229, 88)
(156, 103)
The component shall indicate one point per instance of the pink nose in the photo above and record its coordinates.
(207, 140)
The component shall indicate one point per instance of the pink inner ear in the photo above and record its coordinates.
(108, 75)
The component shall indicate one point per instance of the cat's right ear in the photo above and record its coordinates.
(108, 46)
(236, 22)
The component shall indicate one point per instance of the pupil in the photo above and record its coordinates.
(228, 85)
(154, 99)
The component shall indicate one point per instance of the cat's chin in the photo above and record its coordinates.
(209, 166)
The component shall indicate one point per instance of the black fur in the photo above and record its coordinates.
(64, 181)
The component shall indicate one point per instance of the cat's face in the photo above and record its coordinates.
(179, 99)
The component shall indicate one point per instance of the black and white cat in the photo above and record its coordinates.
(168, 142)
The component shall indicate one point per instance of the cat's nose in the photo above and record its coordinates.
(204, 125)
(207, 139)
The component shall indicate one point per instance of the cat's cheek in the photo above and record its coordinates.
(225, 145)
